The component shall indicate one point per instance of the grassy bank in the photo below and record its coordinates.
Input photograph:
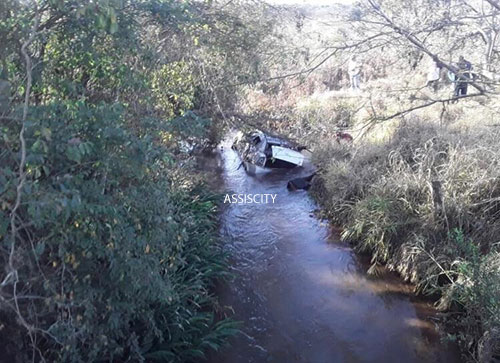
(421, 195)
(426, 203)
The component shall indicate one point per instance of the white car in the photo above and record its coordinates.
(259, 149)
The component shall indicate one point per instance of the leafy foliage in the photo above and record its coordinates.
(111, 254)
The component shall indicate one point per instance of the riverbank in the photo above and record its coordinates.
(420, 195)
(424, 202)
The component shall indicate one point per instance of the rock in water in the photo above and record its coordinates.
(300, 183)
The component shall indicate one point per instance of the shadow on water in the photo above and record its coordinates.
(302, 295)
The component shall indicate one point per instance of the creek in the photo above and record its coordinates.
(301, 294)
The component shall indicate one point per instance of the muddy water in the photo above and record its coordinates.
(301, 294)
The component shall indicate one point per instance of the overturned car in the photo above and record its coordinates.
(257, 149)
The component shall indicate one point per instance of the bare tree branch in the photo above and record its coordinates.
(417, 43)
(494, 3)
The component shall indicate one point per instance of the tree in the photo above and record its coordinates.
(108, 245)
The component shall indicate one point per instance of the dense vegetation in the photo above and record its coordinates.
(108, 238)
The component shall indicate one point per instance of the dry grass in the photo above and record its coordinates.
(426, 202)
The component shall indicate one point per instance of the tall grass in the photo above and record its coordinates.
(427, 203)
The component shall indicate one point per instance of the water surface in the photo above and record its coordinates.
(302, 295)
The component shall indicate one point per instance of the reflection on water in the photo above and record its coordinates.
(302, 295)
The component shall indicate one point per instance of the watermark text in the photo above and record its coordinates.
(250, 198)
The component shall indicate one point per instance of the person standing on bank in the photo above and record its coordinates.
(433, 76)
(463, 77)
(354, 70)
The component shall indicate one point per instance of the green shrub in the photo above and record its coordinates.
(114, 242)
(119, 254)
(477, 290)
